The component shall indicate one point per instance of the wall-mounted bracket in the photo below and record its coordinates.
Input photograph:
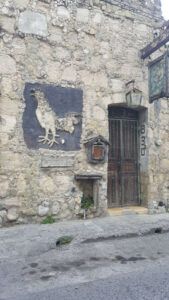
(157, 43)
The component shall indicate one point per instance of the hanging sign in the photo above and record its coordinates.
(159, 78)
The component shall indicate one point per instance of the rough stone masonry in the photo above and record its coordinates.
(62, 63)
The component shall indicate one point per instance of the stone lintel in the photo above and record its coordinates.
(88, 176)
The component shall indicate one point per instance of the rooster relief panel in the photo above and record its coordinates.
(53, 117)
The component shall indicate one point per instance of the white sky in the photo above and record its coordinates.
(165, 9)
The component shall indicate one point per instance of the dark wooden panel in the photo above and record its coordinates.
(123, 158)
(58, 102)
(129, 189)
(114, 149)
(129, 135)
(113, 190)
(122, 113)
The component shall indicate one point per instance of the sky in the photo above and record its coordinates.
(165, 9)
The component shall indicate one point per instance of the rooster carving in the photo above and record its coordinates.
(49, 121)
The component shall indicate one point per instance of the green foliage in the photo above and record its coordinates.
(63, 240)
(48, 220)
(86, 202)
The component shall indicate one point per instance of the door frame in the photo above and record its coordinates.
(121, 175)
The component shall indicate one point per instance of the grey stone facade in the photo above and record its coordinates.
(92, 46)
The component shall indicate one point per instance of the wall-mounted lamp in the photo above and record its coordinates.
(133, 96)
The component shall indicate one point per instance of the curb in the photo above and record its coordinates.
(153, 231)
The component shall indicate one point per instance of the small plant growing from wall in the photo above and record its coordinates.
(48, 220)
(86, 203)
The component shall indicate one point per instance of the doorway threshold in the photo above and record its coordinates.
(128, 210)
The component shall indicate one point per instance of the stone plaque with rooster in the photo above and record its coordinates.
(53, 117)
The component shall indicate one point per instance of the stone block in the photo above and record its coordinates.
(65, 213)
(12, 214)
(82, 15)
(19, 47)
(12, 202)
(117, 85)
(161, 209)
(118, 98)
(97, 18)
(7, 24)
(86, 77)
(21, 4)
(4, 189)
(46, 52)
(107, 101)
(63, 12)
(7, 9)
(12, 161)
(55, 208)
(3, 216)
(8, 107)
(62, 54)
(43, 210)
(8, 65)
(164, 165)
(98, 80)
(96, 64)
(50, 161)
(99, 113)
(4, 139)
(8, 124)
(53, 71)
(47, 185)
(33, 23)
(164, 104)
(69, 74)
(7, 88)
(21, 185)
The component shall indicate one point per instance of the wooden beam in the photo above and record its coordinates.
(161, 40)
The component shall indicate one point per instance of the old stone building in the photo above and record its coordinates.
(67, 130)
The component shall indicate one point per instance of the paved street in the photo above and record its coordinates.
(144, 283)
(112, 268)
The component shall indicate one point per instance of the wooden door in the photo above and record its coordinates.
(123, 187)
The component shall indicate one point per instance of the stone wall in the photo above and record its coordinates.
(159, 155)
(88, 45)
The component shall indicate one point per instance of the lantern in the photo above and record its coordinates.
(133, 96)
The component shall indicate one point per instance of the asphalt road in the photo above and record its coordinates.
(127, 269)
(150, 283)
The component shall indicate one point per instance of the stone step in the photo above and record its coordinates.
(127, 210)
